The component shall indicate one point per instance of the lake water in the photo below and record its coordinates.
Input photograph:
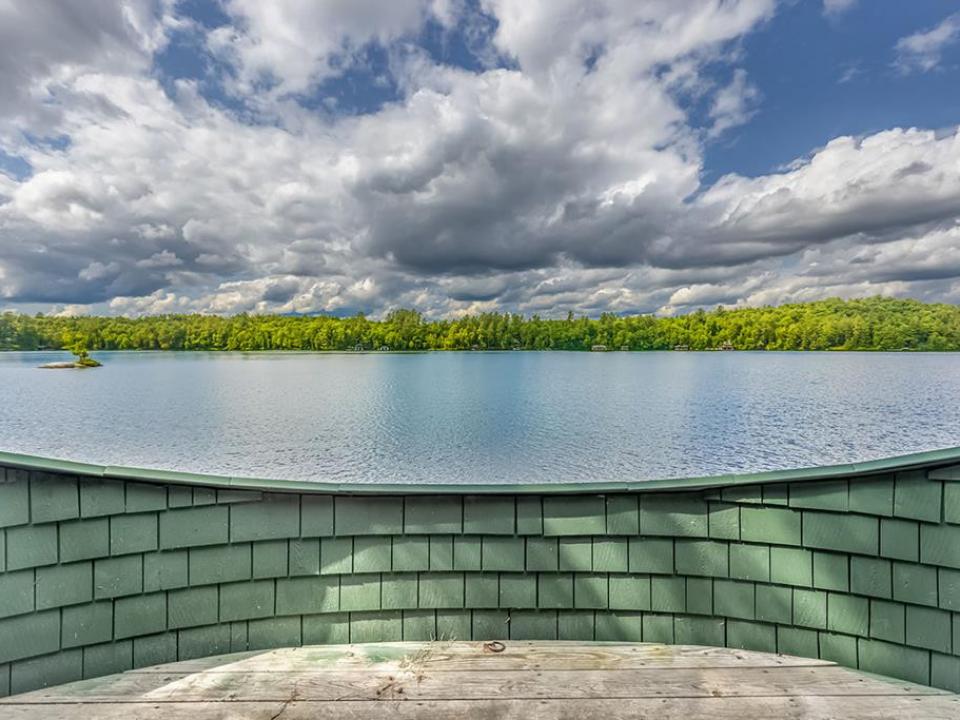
(480, 417)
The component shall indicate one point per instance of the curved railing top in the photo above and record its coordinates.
(931, 459)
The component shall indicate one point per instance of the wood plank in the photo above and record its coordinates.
(807, 708)
(461, 656)
(419, 683)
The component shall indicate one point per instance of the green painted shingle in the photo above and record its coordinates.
(831, 495)
(31, 546)
(590, 591)
(940, 545)
(749, 562)
(16, 593)
(894, 661)
(848, 614)
(246, 600)
(360, 592)
(482, 590)
(623, 515)
(831, 571)
(629, 592)
(219, 564)
(575, 553)
(14, 499)
(872, 495)
(887, 620)
(503, 553)
(433, 514)
(304, 557)
(59, 585)
(555, 590)
(678, 514)
(751, 636)
(702, 557)
(46, 671)
(142, 497)
(810, 608)
(441, 590)
(610, 554)
(791, 566)
(900, 539)
(543, 554)
(651, 555)
(518, 590)
(723, 521)
(411, 553)
(372, 554)
(86, 539)
(53, 497)
(308, 595)
(871, 576)
(165, 570)
(778, 526)
(107, 659)
(368, 515)
(916, 497)
(139, 615)
(774, 604)
(915, 584)
(466, 552)
(270, 558)
(190, 527)
(192, 606)
(133, 533)
(844, 533)
(574, 515)
(668, 594)
(101, 497)
(28, 635)
(928, 628)
(441, 553)
(276, 516)
(489, 515)
(316, 515)
(87, 624)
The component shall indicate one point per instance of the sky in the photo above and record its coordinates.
(463, 156)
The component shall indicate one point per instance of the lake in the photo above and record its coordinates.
(480, 417)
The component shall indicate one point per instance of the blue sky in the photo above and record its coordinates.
(821, 77)
(469, 155)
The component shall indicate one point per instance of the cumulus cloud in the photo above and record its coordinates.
(835, 8)
(922, 51)
(561, 172)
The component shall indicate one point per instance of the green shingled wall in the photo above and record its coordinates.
(102, 575)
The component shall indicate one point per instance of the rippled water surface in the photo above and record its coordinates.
(480, 417)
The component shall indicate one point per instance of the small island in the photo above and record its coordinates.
(78, 346)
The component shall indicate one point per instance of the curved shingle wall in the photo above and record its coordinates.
(100, 575)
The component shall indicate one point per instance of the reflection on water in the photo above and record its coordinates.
(480, 417)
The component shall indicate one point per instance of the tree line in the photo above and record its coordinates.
(868, 324)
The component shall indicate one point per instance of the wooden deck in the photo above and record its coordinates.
(472, 680)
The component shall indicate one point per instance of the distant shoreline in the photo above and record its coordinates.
(872, 324)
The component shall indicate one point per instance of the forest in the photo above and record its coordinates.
(868, 324)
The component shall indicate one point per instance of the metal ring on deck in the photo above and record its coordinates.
(494, 646)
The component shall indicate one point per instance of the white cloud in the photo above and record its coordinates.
(567, 178)
(922, 51)
(835, 8)
(734, 104)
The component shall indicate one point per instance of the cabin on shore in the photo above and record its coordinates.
(598, 348)
(681, 348)
(727, 345)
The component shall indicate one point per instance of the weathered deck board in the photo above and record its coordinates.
(526, 680)
(520, 655)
